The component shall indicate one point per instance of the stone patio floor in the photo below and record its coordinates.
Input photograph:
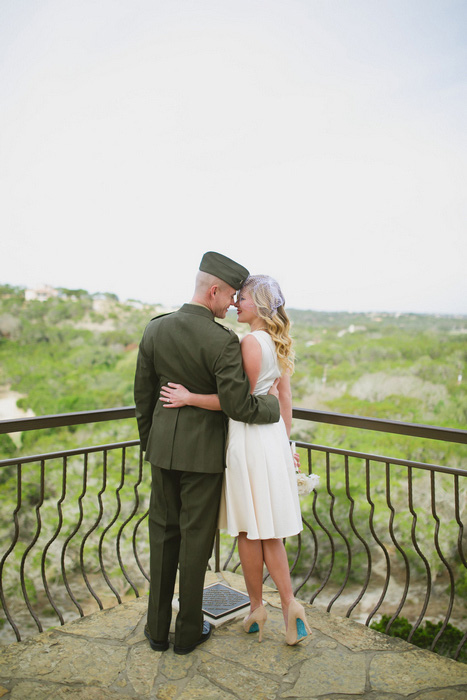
(105, 656)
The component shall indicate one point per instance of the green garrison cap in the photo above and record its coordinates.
(224, 268)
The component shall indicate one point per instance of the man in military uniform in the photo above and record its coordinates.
(186, 446)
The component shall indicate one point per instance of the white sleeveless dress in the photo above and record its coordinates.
(260, 494)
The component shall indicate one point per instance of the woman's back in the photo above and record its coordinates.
(270, 370)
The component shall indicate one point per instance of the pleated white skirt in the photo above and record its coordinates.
(260, 494)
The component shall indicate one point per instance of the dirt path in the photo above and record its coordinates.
(8, 407)
(9, 410)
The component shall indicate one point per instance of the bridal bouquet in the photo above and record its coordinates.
(305, 482)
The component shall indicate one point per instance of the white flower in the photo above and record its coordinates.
(306, 483)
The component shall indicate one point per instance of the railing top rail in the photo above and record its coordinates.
(381, 425)
(342, 419)
(18, 425)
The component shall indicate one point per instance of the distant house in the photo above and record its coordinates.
(40, 293)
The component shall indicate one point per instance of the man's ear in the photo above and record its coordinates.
(214, 289)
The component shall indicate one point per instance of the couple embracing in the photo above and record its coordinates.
(214, 417)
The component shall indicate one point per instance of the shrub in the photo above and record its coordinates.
(423, 637)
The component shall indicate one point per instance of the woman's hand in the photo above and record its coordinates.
(175, 396)
(296, 459)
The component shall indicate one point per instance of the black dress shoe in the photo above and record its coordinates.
(207, 629)
(157, 646)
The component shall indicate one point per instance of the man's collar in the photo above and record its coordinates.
(197, 309)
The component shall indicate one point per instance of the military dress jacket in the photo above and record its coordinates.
(189, 347)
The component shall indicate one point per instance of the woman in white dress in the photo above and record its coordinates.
(260, 502)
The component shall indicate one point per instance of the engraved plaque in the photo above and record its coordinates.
(220, 600)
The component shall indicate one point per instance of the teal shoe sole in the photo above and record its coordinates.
(301, 629)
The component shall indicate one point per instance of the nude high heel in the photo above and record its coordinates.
(256, 621)
(297, 625)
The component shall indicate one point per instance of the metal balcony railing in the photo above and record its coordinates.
(382, 535)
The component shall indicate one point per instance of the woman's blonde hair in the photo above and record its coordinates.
(269, 301)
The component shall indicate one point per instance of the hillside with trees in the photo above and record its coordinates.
(76, 351)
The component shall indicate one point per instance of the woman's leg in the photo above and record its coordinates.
(251, 558)
(275, 558)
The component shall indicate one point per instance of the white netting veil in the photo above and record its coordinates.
(265, 292)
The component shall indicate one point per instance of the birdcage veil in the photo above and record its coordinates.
(266, 293)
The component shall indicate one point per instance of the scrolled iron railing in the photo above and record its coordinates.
(381, 535)
(70, 532)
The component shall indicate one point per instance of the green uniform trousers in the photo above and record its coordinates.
(183, 516)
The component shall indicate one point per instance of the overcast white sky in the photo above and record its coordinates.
(320, 141)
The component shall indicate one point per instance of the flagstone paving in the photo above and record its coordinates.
(105, 656)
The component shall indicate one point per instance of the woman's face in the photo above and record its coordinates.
(246, 307)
